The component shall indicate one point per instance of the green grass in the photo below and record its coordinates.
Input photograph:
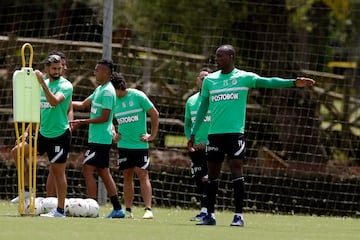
(174, 224)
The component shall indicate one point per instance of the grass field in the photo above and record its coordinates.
(174, 224)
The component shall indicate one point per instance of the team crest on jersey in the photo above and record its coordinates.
(131, 103)
(233, 81)
(123, 105)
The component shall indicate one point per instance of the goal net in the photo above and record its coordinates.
(302, 144)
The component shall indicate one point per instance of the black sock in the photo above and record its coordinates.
(60, 210)
(212, 188)
(115, 202)
(204, 201)
(128, 209)
(147, 208)
(26, 188)
(239, 193)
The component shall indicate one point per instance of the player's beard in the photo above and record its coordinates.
(54, 77)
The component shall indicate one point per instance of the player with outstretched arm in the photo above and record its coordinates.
(224, 93)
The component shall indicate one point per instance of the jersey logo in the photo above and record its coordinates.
(45, 105)
(147, 162)
(93, 110)
(88, 156)
(225, 97)
(59, 152)
(121, 160)
(241, 148)
(128, 119)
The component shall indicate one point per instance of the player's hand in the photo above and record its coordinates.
(39, 76)
(74, 124)
(191, 143)
(200, 146)
(18, 141)
(304, 82)
(116, 137)
(71, 127)
(146, 137)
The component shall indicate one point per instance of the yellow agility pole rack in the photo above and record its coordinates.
(26, 110)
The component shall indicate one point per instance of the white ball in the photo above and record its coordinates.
(73, 207)
(66, 206)
(48, 204)
(38, 205)
(78, 207)
(93, 208)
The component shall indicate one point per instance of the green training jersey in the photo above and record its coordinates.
(54, 119)
(103, 97)
(227, 94)
(191, 108)
(130, 113)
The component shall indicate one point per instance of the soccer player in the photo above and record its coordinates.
(224, 93)
(197, 154)
(97, 157)
(55, 136)
(50, 183)
(132, 139)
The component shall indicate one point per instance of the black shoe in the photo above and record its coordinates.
(237, 221)
(207, 220)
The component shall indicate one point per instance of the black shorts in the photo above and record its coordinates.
(198, 164)
(231, 145)
(130, 158)
(56, 148)
(98, 155)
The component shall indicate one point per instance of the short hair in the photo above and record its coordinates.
(59, 53)
(206, 69)
(118, 81)
(54, 58)
(107, 62)
(229, 49)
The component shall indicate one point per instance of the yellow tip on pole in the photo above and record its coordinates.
(23, 54)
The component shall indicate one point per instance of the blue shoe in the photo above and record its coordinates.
(199, 217)
(116, 214)
(238, 221)
(207, 220)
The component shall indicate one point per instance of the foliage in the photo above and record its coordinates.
(166, 25)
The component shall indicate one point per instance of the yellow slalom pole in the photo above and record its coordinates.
(20, 168)
(24, 113)
(31, 199)
(32, 166)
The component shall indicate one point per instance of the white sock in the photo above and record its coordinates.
(203, 210)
